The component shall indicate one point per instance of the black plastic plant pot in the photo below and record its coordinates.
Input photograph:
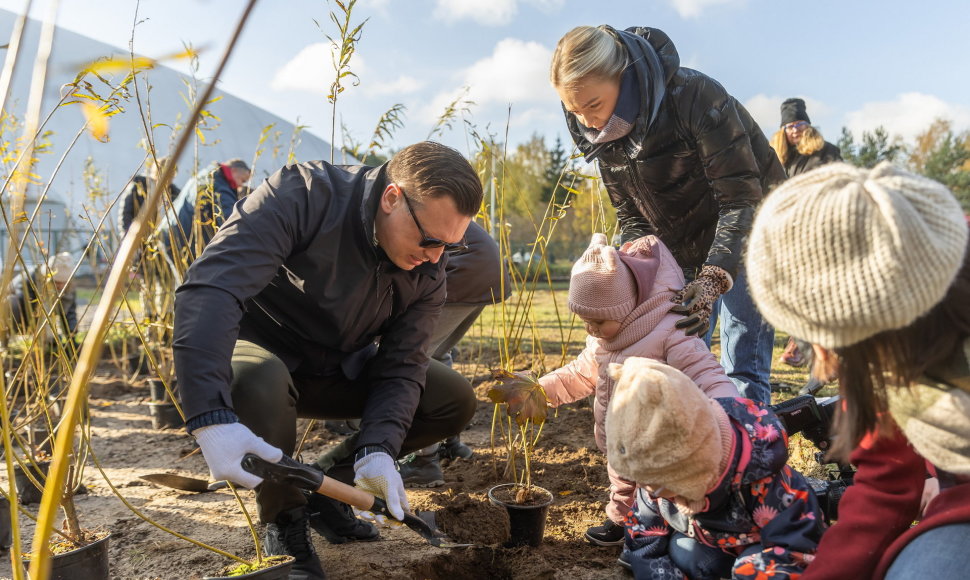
(156, 388)
(27, 492)
(280, 571)
(164, 415)
(527, 521)
(88, 562)
(6, 532)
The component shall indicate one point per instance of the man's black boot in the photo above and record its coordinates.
(453, 448)
(335, 521)
(290, 535)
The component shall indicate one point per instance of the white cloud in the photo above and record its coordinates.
(515, 73)
(311, 70)
(694, 8)
(489, 12)
(404, 84)
(907, 116)
(766, 110)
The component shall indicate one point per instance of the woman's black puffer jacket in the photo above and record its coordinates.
(695, 174)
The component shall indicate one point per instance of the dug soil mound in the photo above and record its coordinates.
(126, 446)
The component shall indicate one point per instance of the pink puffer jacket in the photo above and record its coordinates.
(648, 332)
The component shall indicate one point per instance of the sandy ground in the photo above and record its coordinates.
(125, 443)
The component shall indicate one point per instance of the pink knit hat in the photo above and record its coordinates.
(601, 286)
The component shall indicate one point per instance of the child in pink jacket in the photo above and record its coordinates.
(624, 298)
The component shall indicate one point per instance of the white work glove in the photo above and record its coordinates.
(377, 519)
(224, 446)
(376, 473)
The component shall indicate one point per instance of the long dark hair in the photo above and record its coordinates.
(897, 358)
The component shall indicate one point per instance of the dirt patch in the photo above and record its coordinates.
(126, 445)
(472, 520)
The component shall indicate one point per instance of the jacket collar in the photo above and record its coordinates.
(648, 48)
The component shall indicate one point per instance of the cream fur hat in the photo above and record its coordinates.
(60, 267)
(662, 430)
(601, 286)
(839, 254)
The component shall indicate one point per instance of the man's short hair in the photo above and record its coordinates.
(237, 163)
(429, 169)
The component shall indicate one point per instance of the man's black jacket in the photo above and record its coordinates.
(295, 270)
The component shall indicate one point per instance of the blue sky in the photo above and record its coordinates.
(858, 63)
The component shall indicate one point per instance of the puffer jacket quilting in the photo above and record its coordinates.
(695, 174)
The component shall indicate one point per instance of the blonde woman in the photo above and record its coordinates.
(683, 160)
(800, 147)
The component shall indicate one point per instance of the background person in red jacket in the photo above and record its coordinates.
(871, 267)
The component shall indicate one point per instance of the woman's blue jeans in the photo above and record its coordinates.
(747, 341)
(937, 553)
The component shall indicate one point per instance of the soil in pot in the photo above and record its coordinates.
(273, 568)
(70, 562)
(527, 510)
(468, 520)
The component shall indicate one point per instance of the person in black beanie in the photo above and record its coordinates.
(800, 148)
(799, 145)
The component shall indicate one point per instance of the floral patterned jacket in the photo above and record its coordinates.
(759, 500)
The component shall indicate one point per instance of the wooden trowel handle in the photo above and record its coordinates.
(291, 472)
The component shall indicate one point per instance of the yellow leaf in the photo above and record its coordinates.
(97, 121)
(119, 65)
(565, 492)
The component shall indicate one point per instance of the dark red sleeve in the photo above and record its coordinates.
(877, 508)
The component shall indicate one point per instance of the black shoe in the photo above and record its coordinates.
(421, 471)
(609, 534)
(289, 535)
(624, 560)
(453, 448)
(335, 521)
(347, 427)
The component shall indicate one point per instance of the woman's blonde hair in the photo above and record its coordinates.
(587, 52)
(810, 142)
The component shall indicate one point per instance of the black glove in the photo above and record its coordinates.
(696, 300)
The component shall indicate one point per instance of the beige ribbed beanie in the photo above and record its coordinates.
(601, 286)
(839, 254)
(663, 431)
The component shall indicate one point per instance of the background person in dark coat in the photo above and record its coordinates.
(134, 195)
(204, 204)
(680, 159)
(800, 148)
(32, 297)
(280, 318)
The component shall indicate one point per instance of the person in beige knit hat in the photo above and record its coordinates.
(47, 289)
(623, 297)
(872, 267)
(716, 498)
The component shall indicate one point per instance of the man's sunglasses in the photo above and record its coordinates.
(426, 240)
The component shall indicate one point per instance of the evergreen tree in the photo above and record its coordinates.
(875, 147)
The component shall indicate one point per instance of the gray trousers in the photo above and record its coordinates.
(268, 400)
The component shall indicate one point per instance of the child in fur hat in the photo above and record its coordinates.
(624, 298)
(715, 496)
